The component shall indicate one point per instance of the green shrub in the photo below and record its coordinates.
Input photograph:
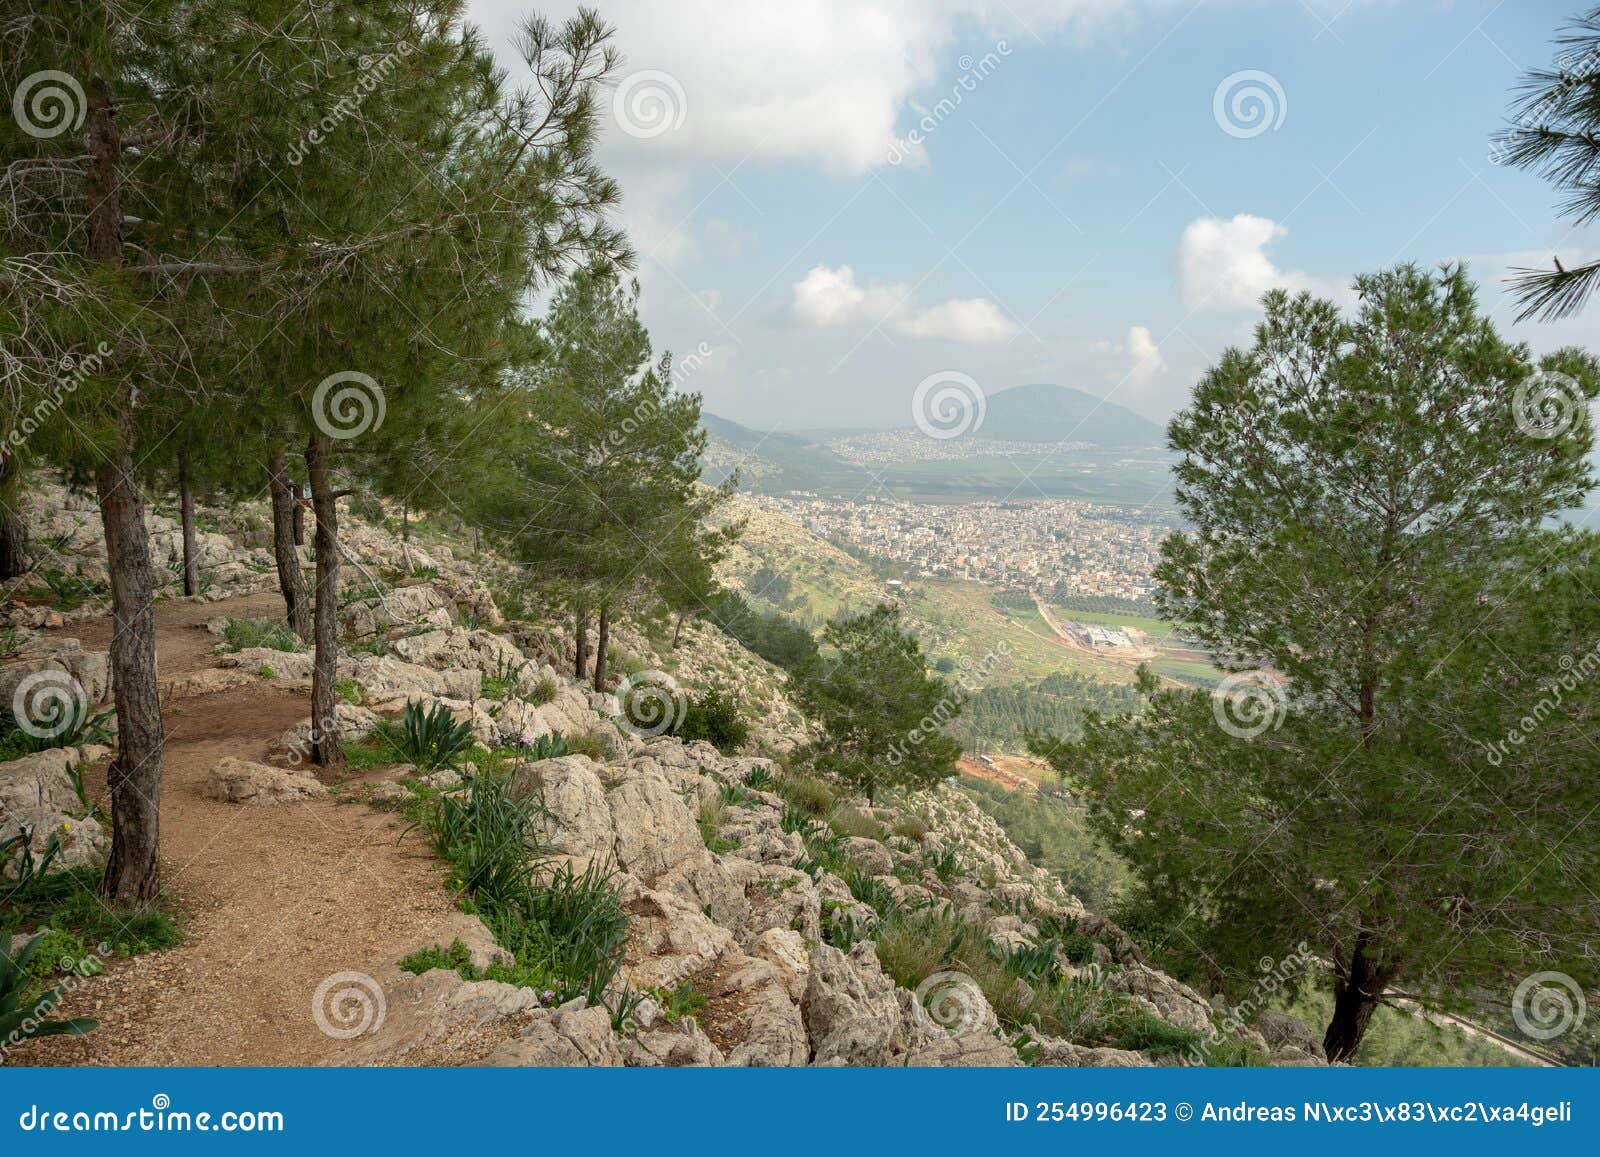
(534, 748)
(590, 743)
(912, 827)
(484, 833)
(428, 739)
(849, 821)
(544, 690)
(68, 724)
(273, 634)
(759, 779)
(806, 792)
(714, 716)
(350, 690)
(504, 681)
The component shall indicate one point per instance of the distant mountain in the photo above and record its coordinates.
(1047, 413)
(802, 462)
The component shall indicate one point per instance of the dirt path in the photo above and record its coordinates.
(276, 898)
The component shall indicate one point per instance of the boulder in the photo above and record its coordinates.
(656, 1041)
(655, 832)
(786, 951)
(868, 855)
(851, 1009)
(82, 840)
(91, 670)
(572, 806)
(1283, 1033)
(437, 1018)
(241, 781)
(969, 1050)
(574, 1036)
(1055, 1051)
(668, 939)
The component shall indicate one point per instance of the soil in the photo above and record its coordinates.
(273, 899)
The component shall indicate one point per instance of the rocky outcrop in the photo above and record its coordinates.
(241, 781)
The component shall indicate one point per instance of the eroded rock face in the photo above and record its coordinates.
(241, 781)
(757, 1023)
(851, 1009)
(572, 1036)
(655, 832)
(1289, 1038)
(438, 1018)
(43, 654)
(573, 811)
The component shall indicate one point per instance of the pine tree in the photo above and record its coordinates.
(1366, 499)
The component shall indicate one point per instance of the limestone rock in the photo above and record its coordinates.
(241, 781)
(850, 1008)
(573, 811)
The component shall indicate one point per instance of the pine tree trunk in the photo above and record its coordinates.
(603, 642)
(1355, 997)
(191, 551)
(291, 580)
(677, 632)
(580, 665)
(325, 749)
(13, 530)
(297, 510)
(133, 872)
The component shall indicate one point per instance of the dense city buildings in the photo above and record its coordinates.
(1057, 547)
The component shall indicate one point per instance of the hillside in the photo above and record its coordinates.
(800, 926)
(1051, 414)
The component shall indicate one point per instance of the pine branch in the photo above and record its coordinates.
(1551, 295)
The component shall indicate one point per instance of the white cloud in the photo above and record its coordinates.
(969, 319)
(1144, 356)
(830, 297)
(1224, 264)
(812, 80)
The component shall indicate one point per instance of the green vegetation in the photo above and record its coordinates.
(883, 713)
(1057, 836)
(273, 634)
(1379, 464)
(24, 1012)
(714, 716)
(429, 739)
(770, 634)
(566, 929)
(62, 721)
(1002, 717)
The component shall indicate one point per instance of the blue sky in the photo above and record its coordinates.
(1081, 215)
